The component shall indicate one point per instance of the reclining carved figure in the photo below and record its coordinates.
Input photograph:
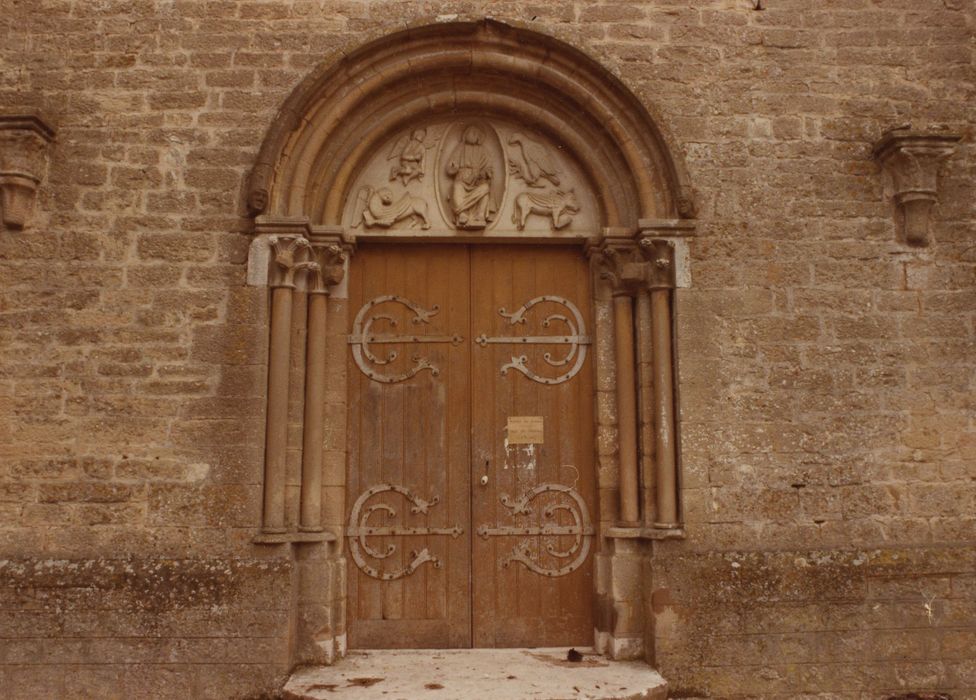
(377, 208)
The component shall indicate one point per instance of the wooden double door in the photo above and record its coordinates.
(470, 485)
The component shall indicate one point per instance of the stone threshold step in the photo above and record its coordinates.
(477, 674)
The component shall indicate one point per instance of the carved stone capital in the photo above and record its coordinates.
(619, 261)
(912, 159)
(331, 267)
(24, 140)
(290, 254)
(659, 254)
(332, 248)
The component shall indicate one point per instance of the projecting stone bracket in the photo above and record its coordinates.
(912, 159)
(24, 140)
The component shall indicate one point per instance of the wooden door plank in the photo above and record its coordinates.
(412, 434)
(455, 447)
(526, 608)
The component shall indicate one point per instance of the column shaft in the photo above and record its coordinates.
(311, 500)
(667, 487)
(276, 440)
(623, 317)
(645, 411)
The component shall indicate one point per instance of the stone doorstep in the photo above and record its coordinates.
(477, 674)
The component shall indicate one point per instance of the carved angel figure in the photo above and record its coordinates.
(377, 208)
(470, 166)
(559, 206)
(410, 152)
(535, 164)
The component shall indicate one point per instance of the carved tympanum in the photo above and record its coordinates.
(470, 158)
(471, 175)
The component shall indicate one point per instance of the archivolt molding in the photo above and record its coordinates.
(343, 113)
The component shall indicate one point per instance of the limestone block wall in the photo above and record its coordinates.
(827, 371)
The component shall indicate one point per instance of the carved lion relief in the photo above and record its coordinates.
(471, 175)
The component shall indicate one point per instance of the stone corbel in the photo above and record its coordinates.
(912, 160)
(24, 140)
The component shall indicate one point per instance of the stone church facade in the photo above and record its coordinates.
(354, 325)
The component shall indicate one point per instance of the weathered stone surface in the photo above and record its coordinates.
(826, 371)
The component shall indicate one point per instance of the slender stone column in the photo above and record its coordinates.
(645, 414)
(661, 282)
(623, 322)
(284, 266)
(619, 260)
(329, 272)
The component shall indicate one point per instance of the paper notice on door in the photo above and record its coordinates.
(525, 430)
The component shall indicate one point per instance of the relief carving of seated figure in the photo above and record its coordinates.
(470, 167)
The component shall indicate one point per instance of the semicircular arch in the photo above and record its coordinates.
(342, 114)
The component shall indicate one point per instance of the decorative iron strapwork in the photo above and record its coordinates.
(581, 530)
(576, 339)
(363, 337)
(360, 529)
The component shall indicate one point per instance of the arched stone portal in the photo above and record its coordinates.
(477, 155)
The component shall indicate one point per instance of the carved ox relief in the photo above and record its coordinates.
(471, 176)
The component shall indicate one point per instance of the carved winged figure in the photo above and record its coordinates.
(410, 152)
(559, 206)
(536, 164)
(377, 208)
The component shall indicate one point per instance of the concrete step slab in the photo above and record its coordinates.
(477, 674)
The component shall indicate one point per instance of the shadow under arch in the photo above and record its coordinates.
(335, 119)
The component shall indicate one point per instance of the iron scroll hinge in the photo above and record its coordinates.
(359, 530)
(581, 530)
(576, 339)
(363, 338)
